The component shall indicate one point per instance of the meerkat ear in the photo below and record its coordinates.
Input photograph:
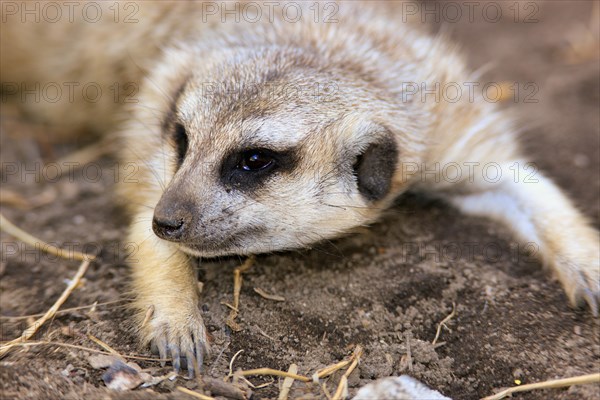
(374, 167)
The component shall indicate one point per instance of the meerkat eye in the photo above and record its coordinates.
(181, 142)
(255, 160)
(247, 169)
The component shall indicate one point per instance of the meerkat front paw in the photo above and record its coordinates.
(178, 335)
(166, 300)
(581, 283)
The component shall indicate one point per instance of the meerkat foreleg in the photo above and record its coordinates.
(539, 212)
(167, 298)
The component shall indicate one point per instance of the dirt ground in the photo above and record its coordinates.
(386, 288)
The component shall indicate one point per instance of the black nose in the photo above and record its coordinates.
(169, 228)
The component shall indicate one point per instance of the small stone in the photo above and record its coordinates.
(122, 377)
(401, 388)
(67, 371)
(99, 361)
(518, 373)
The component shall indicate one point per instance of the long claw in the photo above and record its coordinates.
(176, 356)
(189, 356)
(200, 352)
(161, 344)
(586, 292)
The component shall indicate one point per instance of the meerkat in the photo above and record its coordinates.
(253, 135)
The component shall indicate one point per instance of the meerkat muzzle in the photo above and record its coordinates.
(172, 219)
(168, 228)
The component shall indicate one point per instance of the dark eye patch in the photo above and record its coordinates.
(174, 131)
(248, 169)
(180, 138)
(374, 168)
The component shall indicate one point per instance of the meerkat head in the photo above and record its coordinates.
(272, 151)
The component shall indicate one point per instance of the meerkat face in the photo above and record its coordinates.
(261, 162)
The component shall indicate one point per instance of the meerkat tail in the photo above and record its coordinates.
(539, 212)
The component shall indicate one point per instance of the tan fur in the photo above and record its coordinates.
(369, 59)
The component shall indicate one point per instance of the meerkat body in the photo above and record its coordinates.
(255, 137)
